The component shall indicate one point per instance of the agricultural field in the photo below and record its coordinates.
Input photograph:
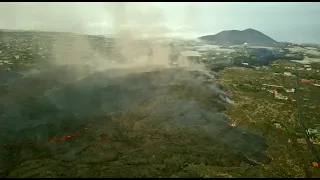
(259, 110)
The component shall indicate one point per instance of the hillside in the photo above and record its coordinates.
(236, 37)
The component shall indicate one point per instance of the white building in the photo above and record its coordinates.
(292, 90)
(280, 96)
(287, 73)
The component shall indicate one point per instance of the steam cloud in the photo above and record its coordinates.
(127, 22)
(135, 31)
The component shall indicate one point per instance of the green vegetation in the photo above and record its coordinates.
(259, 110)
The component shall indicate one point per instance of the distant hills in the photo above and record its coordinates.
(236, 37)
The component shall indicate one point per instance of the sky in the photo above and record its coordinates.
(282, 21)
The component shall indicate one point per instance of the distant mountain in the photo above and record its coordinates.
(236, 37)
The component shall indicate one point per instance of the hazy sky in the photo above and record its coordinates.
(283, 21)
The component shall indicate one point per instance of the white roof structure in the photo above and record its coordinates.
(190, 53)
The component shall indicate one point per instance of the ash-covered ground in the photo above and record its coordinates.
(119, 123)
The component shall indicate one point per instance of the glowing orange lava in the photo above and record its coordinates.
(60, 139)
